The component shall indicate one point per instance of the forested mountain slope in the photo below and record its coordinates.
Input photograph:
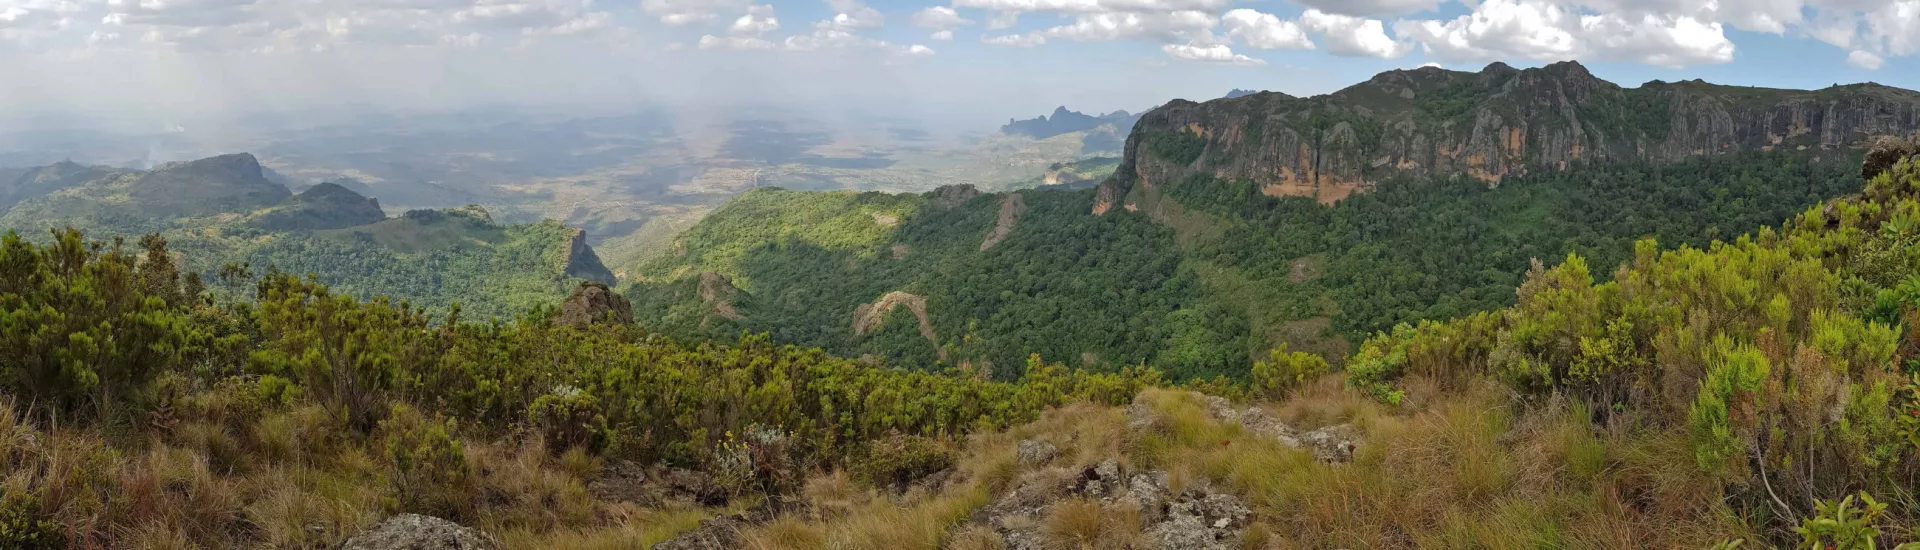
(224, 210)
(1198, 281)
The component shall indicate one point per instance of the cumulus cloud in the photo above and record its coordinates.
(1545, 30)
(940, 17)
(1350, 36)
(1216, 53)
(1265, 31)
(711, 42)
(941, 35)
(1371, 8)
(1865, 60)
(759, 20)
(851, 15)
(684, 12)
(1092, 6)
(1015, 40)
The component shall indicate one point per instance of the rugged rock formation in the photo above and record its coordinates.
(868, 317)
(594, 303)
(1489, 124)
(1010, 210)
(717, 292)
(583, 263)
(417, 532)
(1064, 121)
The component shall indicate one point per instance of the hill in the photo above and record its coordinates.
(1490, 125)
(322, 206)
(1199, 290)
(224, 210)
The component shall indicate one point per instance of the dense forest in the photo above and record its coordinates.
(1199, 285)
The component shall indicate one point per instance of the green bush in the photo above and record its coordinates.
(569, 418)
(899, 459)
(1285, 372)
(21, 526)
(429, 472)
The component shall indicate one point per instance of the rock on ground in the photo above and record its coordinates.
(417, 532)
(1884, 153)
(593, 303)
(1033, 452)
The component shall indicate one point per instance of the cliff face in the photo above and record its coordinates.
(1487, 125)
(583, 263)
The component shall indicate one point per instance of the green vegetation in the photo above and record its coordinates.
(1178, 146)
(1767, 355)
(429, 258)
(373, 407)
(1222, 275)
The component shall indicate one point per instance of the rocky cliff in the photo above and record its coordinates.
(1489, 124)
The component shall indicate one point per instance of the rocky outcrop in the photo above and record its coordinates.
(593, 303)
(868, 317)
(417, 532)
(1886, 152)
(1195, 518)
(1010, 210)
(718, 293)
(583, 263)
(1487, 125)
(1328, 444)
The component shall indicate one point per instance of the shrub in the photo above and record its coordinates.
(21, 526)
(569, 418)
(899, 459)
(429, 468)
(1284, 372)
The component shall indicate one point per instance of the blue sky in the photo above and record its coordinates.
(963, 60)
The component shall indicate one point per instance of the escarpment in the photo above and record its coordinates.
(1497, 122)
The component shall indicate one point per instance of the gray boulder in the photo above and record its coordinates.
(1034, 452)
(417, 532)
(1884, 153)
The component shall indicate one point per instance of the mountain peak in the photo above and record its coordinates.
(1498, 68)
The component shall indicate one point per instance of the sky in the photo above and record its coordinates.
(164, 64)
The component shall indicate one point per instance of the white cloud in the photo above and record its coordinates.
(685, 12)
(1092, 6)
(1003, 20)
(711, 42)
(1546, 30)
(1370, 8)
(1352, 36)
(852, 15)
(941, 35)
(759, 20)
(940, 18)
(1865, 60)
(1180, 25)
(1654, 40)
(1016, 40)
(1265, 31)
(1217, 53)
(918, 50)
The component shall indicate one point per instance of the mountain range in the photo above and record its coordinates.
(225, 209)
